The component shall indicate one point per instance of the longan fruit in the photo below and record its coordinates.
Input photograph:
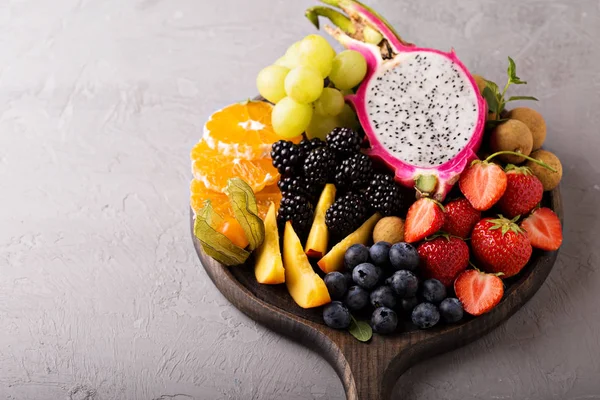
(512, 135)
(534, 121)
(480, 81)
(549, 179)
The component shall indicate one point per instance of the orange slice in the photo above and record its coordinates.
(242, 130)
(215, 169)
(200, 193)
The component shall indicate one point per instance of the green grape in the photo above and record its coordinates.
(271, 82)
(282, 61)
(304, 84)
(348, 119)
(316, 52)
(330, 103)
(289, 118)
(348, 70)
(321, 125)
(291, 59)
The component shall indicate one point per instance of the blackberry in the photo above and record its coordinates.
(354, 172)
(344, 141)
(285, 156)
(345, 215)
(297, 185)
(319, 166)
(384, 195)
(298, 210)
(308, 145)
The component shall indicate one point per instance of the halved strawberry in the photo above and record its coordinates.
(483, 184)
(424, 218)
(543, 229)
(478, 292)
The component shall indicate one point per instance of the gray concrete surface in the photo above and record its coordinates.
(101, 294)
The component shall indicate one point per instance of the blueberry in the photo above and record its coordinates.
(383, 296)
(384, 320)
(404, 256)
(349, 280)
(425, 315)
(451, 310)
(409, 303)
(336, 285)
(379, 253)
(357, 298)
(356, 254)
(434, 291)
(404, 283)
(336, 315)
(366, 275)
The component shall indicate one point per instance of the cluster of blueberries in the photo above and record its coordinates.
(384, 277)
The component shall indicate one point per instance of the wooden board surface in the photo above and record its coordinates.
(370, 370)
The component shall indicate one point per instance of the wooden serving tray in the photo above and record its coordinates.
(370, 370)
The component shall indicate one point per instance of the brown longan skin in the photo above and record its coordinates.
(549, 179)
(480, 81)
(512, 135)
(534, 121)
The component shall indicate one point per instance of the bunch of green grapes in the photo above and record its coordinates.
(295, 84)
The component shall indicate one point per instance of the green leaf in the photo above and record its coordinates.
(360, 330)
(491, 99)
(514, 98)
(493, 87)
(494, 123)
(214, 243)
(245, 211)
(512, 69)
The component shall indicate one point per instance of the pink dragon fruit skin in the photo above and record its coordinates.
(447, 173)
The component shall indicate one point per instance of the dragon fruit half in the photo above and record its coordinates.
(420, 108)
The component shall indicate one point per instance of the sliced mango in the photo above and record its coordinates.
(316, 244)
(334, 260)
(306, 287)
(268, 267)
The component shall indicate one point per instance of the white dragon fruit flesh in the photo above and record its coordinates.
(420, 108)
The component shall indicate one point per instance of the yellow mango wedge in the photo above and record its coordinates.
(316, 244)
(306, 287)
(334, 260)
(268, 267)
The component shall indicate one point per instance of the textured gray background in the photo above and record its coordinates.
(101, 294)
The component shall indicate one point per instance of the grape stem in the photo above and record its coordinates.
(539, 162)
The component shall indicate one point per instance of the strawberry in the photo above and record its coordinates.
(478, 292)
(543, 229)
(501, 246)
(483, 184)
(424, 218)
(443, 258)
(460, 218)
(523, 192)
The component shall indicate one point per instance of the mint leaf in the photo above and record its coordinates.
(491, 99)
(494, 123)
(360, 330)
(494, 88)
(512, 69)
(514, 98)
(512, 73)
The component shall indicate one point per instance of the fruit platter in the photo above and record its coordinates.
(380, 204)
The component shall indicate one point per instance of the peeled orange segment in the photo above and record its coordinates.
(199, 193)
(242, 130)
(215, 169)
